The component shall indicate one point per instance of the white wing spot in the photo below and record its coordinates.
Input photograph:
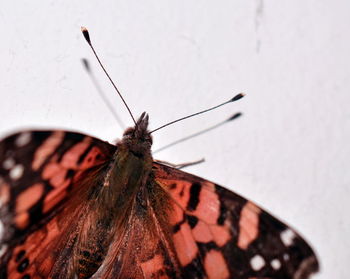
(1, 204)
(287, 237)
(2, 229)
(3, 249)
(276, 264)
(286, 257)
(257, 262)
(16, 172)
(23, 139)
(8, 163)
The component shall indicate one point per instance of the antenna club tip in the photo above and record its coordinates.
(86, 64)
(235, 116)
(237, 97)
(86, 34)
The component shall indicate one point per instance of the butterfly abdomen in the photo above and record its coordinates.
(91, 254)
(88, 263)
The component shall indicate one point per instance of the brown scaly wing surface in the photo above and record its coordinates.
(38, 171)
(219, 234)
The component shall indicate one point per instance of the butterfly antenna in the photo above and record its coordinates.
(233, 117)
(87, 67)
(87, 38)
(234, 99)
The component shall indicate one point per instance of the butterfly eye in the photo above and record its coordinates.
(129, 132)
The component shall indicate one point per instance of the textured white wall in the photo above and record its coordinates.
(290, 152)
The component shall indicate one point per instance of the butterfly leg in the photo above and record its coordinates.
(182, 165)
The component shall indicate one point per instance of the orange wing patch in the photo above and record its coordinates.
(185, 245)
(215, 265)
(47, 148)
(248, 225)
(29, 197)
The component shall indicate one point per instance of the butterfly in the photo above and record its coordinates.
(74, 206)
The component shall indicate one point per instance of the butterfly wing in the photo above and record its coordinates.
(219, 234)
(38, 171)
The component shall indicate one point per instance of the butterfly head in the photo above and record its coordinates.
(138, 139)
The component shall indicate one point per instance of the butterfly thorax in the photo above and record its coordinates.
(137, 140)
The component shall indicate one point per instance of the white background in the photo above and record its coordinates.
(289, 152)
